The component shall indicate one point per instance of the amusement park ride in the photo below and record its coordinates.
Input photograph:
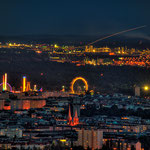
(72, 88)
(26, 87)
(5, 86)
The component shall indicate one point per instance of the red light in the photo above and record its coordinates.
(7, 107)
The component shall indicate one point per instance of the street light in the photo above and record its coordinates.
(146, 88)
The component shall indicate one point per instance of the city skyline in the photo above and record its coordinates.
(74, 75)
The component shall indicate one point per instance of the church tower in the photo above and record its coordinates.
(69, 119)
(76, 119)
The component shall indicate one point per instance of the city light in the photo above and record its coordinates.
(146, 88)
(28, 86)
(56, 46)
(10, 44)
(24, 84)
(62, 140)
(35, 88)
(5, 82)
(63, 88)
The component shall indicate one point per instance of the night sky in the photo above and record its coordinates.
(88, 17)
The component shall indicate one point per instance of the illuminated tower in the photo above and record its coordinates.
(75, 119)
(28, 86)
(24, 84)
(35, 88)
(5, 82)
(69, 119)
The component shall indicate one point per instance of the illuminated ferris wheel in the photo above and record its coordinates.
(79, 85)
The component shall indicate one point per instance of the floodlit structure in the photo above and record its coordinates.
(75, 120)
(4, 86)
(28, 86)
(69, 119)
(5, 82)
(24, 84)
(35, 88)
